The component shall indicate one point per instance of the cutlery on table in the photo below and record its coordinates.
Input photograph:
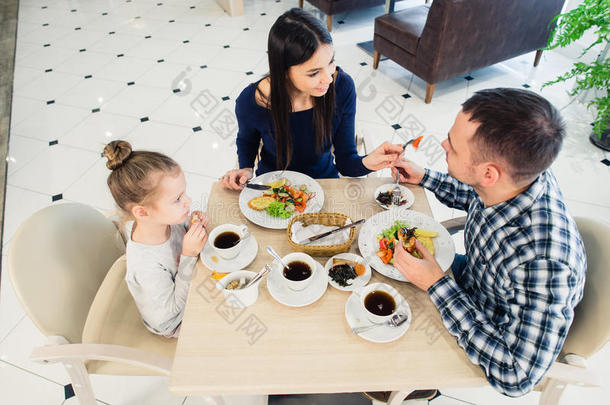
(276, 256)
(325, 234)
(395, 321)
(255, 186)
(259, 275)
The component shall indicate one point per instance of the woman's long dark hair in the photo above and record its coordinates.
(293, 39)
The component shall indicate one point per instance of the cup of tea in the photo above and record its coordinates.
(226, 239)
(379, 301)
(300, 271)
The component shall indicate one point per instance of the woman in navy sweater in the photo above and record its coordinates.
(303, 111)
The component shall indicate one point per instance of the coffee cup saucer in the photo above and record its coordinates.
(355, 315)
(214, 262)
(284, 295)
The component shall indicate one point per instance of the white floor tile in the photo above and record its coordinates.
(153, 48)
(91, 188)
(79, 39)
(24, 107)
(193, 53)
(167, 75)
(91, 93)
(198, 187)
(54, 170)
(116, 43)
(85, 63)
(21, 387)
(24, 76)
(488, 396)
(216, 35)
(16, 348)
(175, 31)
(22, 150)
(49, 86)
(138, 101)
(207, 154)
(98, 129)
(122, 390)
(160, 137)
(11, 311)
(125, 69)
(50, 122)
(44, 35)
(45, 57)
(20, 204)
(237, 59)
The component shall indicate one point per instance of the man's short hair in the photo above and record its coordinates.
(517, 127)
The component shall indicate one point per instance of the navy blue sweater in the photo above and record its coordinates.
(256, 123)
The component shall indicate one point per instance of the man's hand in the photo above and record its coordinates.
(409, 171)
(421, 272)
(194, 240)
(382, 157)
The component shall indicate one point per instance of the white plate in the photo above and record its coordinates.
(356, 316)
(267, 221)
(282, 294)
(369, 246)
(244, 258)
(359, 281)
(406, 195)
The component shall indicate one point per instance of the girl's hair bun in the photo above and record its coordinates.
(117, 152)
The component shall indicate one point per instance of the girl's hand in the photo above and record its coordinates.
(383, 157)
(236, 179)
(198, 216)
(194, 240)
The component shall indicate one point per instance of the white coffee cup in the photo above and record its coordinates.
(365, 291)
(231, 252)
(298, 257)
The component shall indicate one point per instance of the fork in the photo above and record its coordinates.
(396, 193)
(395, 321)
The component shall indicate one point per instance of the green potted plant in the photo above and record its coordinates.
(595, 15)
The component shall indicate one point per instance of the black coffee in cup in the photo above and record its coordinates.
(379, 303)
(297, 271)
(226, 240)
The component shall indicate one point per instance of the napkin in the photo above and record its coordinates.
(301, 232)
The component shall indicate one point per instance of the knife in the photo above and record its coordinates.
(325, 234)
(257, 186)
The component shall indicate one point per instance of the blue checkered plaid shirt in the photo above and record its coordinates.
(512, 305)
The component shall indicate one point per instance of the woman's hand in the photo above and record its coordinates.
(409, 171)
(237, 178)
(194, 239)
(383, 157)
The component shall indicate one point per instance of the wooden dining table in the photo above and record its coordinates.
(269, 348)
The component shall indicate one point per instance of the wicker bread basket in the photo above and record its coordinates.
(322, 218)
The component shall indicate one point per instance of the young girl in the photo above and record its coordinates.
(163, 240)
(303, 111)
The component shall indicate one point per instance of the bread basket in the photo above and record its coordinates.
(322, 218)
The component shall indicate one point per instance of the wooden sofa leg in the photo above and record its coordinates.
(376, 57)
(429, 92)
(329, 22)
(300, 3)
(538, 56)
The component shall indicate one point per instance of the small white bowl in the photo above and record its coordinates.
(243, 297)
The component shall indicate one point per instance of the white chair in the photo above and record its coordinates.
(67, 266)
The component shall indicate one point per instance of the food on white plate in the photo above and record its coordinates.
(282, 201)
(389, 237)
(345, 271)
(260, 203)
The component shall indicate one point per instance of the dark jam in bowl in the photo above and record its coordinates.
(297, 271)
(379, 303)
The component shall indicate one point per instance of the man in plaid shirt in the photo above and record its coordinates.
(512, 298)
